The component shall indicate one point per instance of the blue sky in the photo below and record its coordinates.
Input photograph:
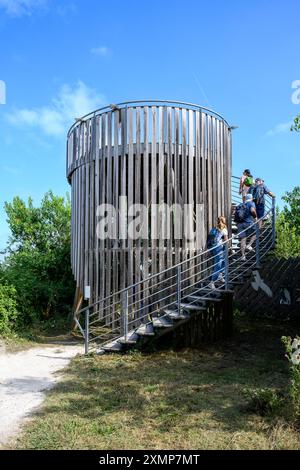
(60, 59)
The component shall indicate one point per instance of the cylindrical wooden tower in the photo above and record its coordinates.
(173, 159)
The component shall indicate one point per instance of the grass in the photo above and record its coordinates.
(192, 399)
(40, 333)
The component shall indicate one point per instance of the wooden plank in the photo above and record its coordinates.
(154, 215)
(130, 191)
(161, 186)
(146, 200)
(137, 189)
(184, 179)
(102, 266)
(124, 159)
(169, 192)
(97, 202)
(209, 174)
(176, 184)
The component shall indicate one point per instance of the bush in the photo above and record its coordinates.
(8, 308)
(287, 240)
(292, 348)
(264, 401)
(38, 258)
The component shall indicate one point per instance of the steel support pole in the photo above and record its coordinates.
(179, 289)
(257, 251)
(226, 259)
(86, 331)
(273, 220)
(125, 313)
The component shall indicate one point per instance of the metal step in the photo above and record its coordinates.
(187, 306)
(175, 315)
(132, 338)
(204, 299)
(162, 322)
(145, 330)
(114, 346)
(200, 300)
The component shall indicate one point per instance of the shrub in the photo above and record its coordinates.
(38, 258)
(292, 347)
(264, 401)
(8, 308)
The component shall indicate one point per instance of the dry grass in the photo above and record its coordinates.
(168, 400)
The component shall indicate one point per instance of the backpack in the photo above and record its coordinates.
(248, 181)
(258, 194)
(241, 213)
(213, 238)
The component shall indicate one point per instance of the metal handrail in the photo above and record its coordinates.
(125, 104)
(190, 274)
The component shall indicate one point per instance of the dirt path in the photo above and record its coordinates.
(24, 378)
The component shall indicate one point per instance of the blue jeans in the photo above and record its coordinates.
(218, 261)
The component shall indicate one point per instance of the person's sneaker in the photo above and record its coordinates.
(243, 258)
(249, 248)
(211, 285)
(221, 278)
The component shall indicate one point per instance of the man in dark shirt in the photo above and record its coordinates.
(258, 192)
(245, 228)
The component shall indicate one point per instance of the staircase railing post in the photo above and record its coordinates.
(226, 260)
(125, 313)
(86, 331)
(179, 288)
(257, 251)
(273, 220)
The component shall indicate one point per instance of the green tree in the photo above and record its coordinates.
(38, 257)
(292, 209)
(288, 226)
(296, 125)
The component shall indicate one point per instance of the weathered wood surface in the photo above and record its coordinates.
(151, 154)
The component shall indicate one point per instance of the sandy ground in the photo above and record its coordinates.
(24, 378)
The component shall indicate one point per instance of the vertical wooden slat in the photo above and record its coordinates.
(124, 157)
(130, 191)
(161, 184)
(169, 218)
(102, 182)
(184, 180)
(145, 183)
(209, 173)
(97, 201)
(154, 215)
(176, 183)
(137, 194)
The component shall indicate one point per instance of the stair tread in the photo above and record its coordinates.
(132, 338)
(161, 322)
(191, 306)
(113, 346)
(206, 299)
(145, 330)
(175, 315)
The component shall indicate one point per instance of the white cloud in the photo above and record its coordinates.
(55, 118)
(17, 8)
(101, 51)
(280, 128)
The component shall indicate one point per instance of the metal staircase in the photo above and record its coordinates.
(164, 301)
